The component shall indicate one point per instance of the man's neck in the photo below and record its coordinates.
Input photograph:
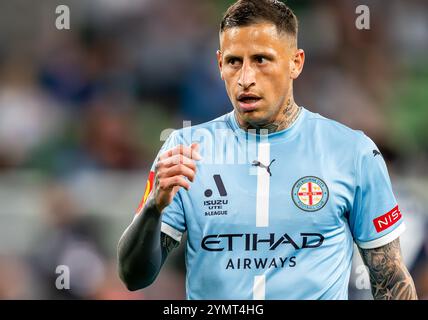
(286, 117)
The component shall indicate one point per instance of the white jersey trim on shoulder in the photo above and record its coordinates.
(172, 232)
(383, 240)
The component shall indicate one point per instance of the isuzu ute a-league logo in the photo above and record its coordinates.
(216, 207)
(310, 193)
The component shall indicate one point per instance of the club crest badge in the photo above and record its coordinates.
(310, 193)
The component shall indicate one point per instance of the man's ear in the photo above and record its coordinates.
(220, 63)
(297, 62)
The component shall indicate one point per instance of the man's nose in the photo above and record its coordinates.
(247, 78)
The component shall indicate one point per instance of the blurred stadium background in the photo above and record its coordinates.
(82, 110)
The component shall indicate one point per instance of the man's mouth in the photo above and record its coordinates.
(248, 98)
(248, 101)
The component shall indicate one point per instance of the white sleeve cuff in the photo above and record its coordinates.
(172, 232)
(383, 240)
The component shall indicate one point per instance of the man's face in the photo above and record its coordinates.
(258, 65)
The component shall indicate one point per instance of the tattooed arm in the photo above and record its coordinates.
(143, 249)
(389, 277)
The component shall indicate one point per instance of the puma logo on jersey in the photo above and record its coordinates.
(375, 153)
(261, 165)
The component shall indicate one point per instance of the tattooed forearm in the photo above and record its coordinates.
(389, 277)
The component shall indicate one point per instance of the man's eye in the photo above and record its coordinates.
(233, 61)
(260, 60)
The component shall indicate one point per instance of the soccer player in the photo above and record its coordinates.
(272, 196)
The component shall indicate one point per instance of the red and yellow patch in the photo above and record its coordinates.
(149, 187)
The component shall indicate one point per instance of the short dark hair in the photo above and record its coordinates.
(246, 12)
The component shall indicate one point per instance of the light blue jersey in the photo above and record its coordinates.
(275, 216)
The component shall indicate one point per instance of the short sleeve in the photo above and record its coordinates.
(173, 223)
(375, 218)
